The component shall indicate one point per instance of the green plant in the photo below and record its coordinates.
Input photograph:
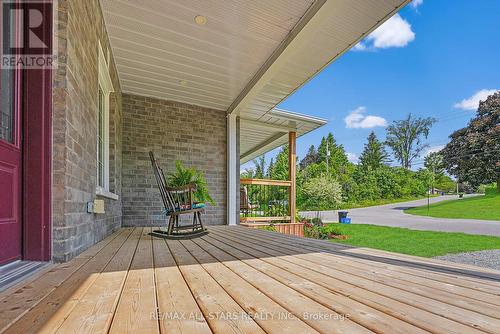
(298, 217)
(317, 221)
(333, 229)
(320, 231)
(277, 210)
(491, 189)
(184, 176)
(268, 228)
(322, 193)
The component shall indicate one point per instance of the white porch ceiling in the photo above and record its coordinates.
(160, 51)
(247, 58)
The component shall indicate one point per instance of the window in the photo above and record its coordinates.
(100, 141)
(7, 110)
(105, 87)
(10, 87)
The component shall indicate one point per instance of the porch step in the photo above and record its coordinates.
(16, 271)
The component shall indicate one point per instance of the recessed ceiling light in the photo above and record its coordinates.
(200, 20)
(183, 82)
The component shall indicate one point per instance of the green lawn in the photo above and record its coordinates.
(419, 243)
(381, 201)
(481, 207)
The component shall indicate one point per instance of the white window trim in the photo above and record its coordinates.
(106, 86)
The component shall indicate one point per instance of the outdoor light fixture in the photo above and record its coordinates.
(200, 20)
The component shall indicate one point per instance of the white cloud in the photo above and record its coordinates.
(357, 120)
(434, 149)
(416, 3)
(359, 47)
(395, 32)
(352, 157)
(472, 103)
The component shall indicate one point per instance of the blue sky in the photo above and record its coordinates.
(434, 58)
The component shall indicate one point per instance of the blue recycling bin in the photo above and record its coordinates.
(342, 214)
(345, 220)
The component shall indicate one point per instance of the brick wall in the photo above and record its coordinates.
(80, 27)
(173, 131)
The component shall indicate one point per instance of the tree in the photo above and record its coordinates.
(433, 162)
(337, 159)
(311, 157)
(280, 169)
(270, 169)
(473, 153)
(260, 167)
(405, 137)
(374, 154)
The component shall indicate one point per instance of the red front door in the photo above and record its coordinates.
(10, 164)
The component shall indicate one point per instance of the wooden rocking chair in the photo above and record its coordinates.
(178, 201)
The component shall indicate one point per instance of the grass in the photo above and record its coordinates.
(383, 201)
(481, 207)
(411, 242)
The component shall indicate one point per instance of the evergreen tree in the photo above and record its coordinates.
(280, 169)
(270, 169)
(260, 167)
(310, 158)
(374, 154)
(337, 159)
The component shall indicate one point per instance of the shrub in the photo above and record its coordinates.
(317, 221)
(491, 189)
(322, 193)
(320, 231)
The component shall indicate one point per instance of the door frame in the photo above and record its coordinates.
(37, 158)
(37, 165)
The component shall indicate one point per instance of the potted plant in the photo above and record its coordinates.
(183, 176)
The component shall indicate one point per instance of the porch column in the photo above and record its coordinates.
(232, 169)
(292, 159)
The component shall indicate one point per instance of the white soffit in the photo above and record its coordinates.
(246, 58)
(259, 137)
(160, 51)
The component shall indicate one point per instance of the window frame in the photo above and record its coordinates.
(105, 85)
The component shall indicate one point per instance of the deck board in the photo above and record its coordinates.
(393, 279)
(343, 285)
(225, 281)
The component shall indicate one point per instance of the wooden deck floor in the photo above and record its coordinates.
(239, 280)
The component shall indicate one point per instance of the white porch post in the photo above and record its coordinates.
(232, 168)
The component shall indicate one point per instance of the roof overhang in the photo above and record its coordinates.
(246, 59)
(326, 31)
(259, 137)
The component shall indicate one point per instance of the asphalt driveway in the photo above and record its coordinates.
(393, 215)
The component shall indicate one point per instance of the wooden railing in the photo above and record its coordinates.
(263, 200)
